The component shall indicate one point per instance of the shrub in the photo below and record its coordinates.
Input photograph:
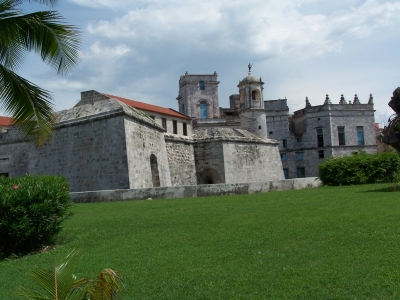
(32, 210)
(360, 168)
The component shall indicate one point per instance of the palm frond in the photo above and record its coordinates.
(28, 104)
(58, 282)
(104, 287)
(12, 51)
(43, 32)
(46, 2)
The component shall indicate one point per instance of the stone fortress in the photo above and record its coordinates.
(107, 142)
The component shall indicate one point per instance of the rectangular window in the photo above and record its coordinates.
(321, 154)
(4, 174)
(298, 141)
(301, 172)
(286, 173)
(201, 85)
(152, 117)
(320, 137)
(164, 123)
(341, 136)
(299, 155)
(283, 156)
(284, 142)
(360, 135)
(184, 128)
(175, 127)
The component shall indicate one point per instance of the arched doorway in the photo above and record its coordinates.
(209, 176)
(155, 176)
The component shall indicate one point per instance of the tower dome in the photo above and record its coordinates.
(252, 114)
(250, 78)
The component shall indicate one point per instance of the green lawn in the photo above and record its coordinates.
(322, 243)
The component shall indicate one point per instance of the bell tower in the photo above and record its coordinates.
(252, 111)
(198, 95)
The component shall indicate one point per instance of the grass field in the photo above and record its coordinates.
(322, 243)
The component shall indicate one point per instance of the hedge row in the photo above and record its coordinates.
(32, 209)
(361, 168)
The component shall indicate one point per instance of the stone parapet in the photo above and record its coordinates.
(191, 191)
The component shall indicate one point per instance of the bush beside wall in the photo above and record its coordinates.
(32, 210)
(361, 168)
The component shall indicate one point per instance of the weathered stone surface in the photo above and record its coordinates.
(181, 160)
(300, 132)
(195, 190)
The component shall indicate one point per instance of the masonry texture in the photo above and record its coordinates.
(108, 142)
(190, 191)
(181, 160)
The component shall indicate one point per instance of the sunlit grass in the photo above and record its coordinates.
(323, 243)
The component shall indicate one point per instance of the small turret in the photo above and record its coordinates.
(252, 115)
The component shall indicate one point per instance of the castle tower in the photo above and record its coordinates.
(252, 115)
(198, 95)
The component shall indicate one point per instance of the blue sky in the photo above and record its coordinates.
(138, 49)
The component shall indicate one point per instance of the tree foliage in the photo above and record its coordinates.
(57, 43)
(32, 212)
(360, 168)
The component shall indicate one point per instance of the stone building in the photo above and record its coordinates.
(110, 142)
(306, 137)
(314, 133)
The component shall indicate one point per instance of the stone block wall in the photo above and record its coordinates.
(209, 160)
(180, 154)
(190, 191)
(190, 94)
(305, 123)
(14, 152)
(251, 162)
(91, 154)
(143, 141)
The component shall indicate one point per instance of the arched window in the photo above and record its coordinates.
(255, 95)
(183, 108)
(203, 110)
(155, 176)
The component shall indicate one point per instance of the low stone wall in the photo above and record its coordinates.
(188, 191)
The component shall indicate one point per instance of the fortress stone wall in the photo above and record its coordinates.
(181, 160)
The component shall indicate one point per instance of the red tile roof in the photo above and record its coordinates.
(149, 107)
(5, 121)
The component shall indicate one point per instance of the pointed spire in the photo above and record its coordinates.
(342, 100)
(327, 100)
(308, 104)
(356, 101)
(371, 99)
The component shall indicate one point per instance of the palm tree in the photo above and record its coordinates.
(59, 283)
(58, 45)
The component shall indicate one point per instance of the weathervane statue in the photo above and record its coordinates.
(249, 66)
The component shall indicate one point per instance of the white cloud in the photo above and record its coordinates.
(258, 27)
(301, 48)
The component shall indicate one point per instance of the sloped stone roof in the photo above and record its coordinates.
(228, 134)
(102, 109)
